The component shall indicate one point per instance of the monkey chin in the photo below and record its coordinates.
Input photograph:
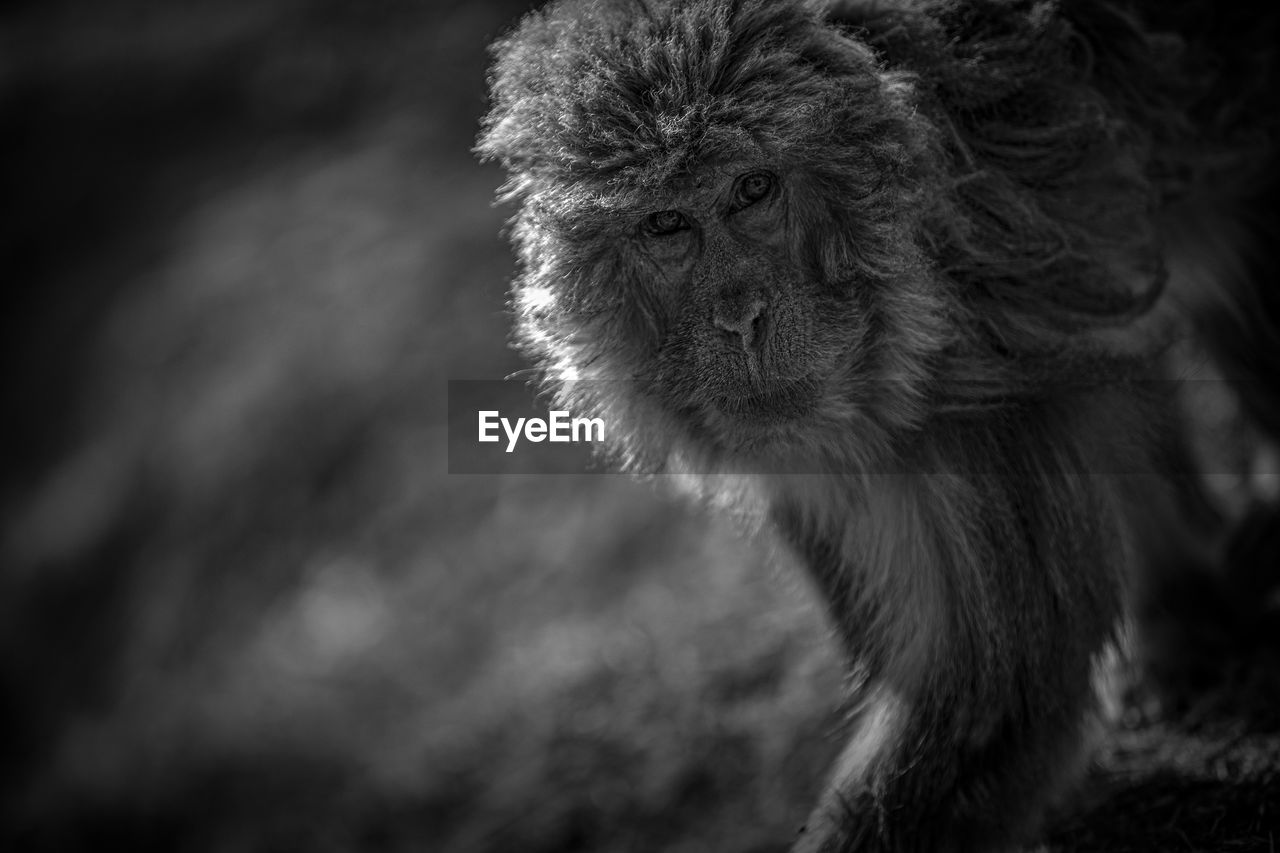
(760, 421)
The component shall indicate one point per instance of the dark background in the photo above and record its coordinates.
(243, 605)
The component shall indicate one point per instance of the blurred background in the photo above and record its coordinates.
(244, 605)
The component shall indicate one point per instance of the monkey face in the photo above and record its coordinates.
(751, 333)
(727, 314)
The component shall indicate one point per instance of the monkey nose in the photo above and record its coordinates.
(741, 323)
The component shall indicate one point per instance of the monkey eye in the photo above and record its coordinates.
(752, 188)
(665, 222)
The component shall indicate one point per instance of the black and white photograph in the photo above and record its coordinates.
(640, 426)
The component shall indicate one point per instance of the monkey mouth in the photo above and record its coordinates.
(780, 403)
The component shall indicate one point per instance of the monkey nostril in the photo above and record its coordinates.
(742, 325)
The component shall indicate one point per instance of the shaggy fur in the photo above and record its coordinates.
(918, 355)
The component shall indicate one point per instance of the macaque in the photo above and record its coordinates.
(910, 285)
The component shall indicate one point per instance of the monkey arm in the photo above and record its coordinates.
(974, 602)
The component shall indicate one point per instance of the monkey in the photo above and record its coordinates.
(909, 286)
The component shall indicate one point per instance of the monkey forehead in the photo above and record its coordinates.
(691, 177)
(700, 187)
